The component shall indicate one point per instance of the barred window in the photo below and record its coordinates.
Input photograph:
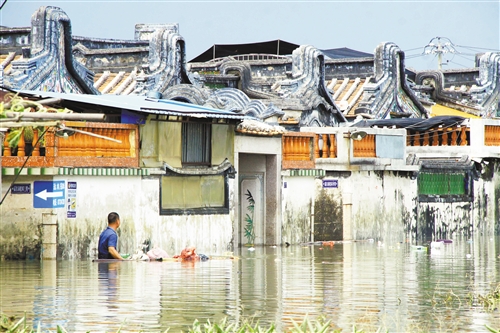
(196, 143)
(441, 186)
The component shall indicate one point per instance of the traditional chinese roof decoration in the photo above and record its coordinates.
(229, 99)
(48, 63)
(475, 91)
(254, 127)
(275, 81)
(415, 124)
(295, 85)
(167, 60)
(387, 94)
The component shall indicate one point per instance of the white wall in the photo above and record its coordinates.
(381, 205)
(134, 198)
(298, 195)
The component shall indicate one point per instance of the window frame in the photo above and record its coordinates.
(468, 195)
(187, 139)
(200, 210)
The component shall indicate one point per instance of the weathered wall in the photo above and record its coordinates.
(136, 199)
(486, 206)
(328, 214)
(20, 225)
(298, 198)
(385, 208)
(449, 220)
(381, 206)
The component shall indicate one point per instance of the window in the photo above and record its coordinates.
(194, 194)
(442, 186)
(196, 143)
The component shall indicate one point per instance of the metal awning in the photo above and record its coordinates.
(140, 104)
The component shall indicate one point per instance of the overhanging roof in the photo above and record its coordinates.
(141, 104)
(278, 47)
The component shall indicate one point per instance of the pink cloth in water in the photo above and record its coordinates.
(157, 253)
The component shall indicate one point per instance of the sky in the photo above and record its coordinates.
(470, 26)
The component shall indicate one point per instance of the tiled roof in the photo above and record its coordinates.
(120, 83)
(6, 61)
(347, 92)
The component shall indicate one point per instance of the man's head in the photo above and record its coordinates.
(114, 218)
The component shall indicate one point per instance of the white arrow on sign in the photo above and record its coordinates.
(44, 194)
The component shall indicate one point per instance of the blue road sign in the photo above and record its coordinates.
(48, 194)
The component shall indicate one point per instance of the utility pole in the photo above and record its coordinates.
(439, 46)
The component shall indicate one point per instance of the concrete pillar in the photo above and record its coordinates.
(347, 216)
(49, 236)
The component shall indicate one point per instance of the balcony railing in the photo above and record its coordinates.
(325, 146)
(491, 135)
(78, 149)
(366, 147)
(298, 150)
(452, 136)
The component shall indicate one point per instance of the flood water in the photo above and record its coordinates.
(395, 287)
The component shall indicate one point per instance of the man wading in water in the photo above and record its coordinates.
(108, 239)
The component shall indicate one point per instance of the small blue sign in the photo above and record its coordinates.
(20, 189)
(47, 194)
(330, 183)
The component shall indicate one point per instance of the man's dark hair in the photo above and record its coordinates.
(113, 217)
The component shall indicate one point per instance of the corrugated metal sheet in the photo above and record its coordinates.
(141, 104)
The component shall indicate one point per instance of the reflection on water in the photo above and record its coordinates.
(393, 286)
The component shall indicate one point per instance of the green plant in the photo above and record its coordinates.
(14, 103)
(492, 329)
(490, 301)
(249, 227)
(224, 327)
(309, 326)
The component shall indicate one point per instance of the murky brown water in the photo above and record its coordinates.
(393, 286)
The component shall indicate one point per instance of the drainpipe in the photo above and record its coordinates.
(49, 236)
(347, 216)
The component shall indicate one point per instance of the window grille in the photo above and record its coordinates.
(444, 186)
(196, 143)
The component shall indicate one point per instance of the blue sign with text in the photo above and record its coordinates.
(48, 194)
(21, 189)
(330, 183)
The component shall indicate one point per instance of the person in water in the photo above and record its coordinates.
(108, 240)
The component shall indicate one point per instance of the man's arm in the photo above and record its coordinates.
(114, 253)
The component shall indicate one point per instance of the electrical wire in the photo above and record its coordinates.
(477, 48)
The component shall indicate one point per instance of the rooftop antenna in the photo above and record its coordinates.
(440, 45)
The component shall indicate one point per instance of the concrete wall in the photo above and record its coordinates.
(135, 198)
(297, 206)
(366, 204)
